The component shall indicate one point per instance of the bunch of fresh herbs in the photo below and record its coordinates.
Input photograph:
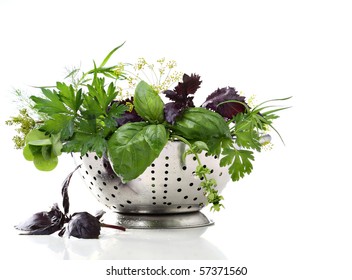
(92, 113)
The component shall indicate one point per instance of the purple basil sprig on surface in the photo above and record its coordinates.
(80, 224)
(181, 97)
(83, 225)
(43, 223)
(226, 102)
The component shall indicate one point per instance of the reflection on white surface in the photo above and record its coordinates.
(180, 244)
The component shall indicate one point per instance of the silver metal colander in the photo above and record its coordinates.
(168, 185)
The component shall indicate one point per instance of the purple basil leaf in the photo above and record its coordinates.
(129, 115)
(227, 110)
(98, 216)
(173, 95)
(64, 191)
(180, 97)
(83, 225)
(43, 223)
(189, 85)
(172, 110)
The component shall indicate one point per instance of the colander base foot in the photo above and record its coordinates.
(163, 221)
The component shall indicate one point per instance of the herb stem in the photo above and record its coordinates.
(113, 226)
(184, 140)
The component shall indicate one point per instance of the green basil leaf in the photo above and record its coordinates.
(201, 124)
(156, 136)
(134, 146)
(148, 103)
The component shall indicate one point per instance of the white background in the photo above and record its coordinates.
(291, 219)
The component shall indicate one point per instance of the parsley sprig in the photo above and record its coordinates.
(74, 117)
(248, 130)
